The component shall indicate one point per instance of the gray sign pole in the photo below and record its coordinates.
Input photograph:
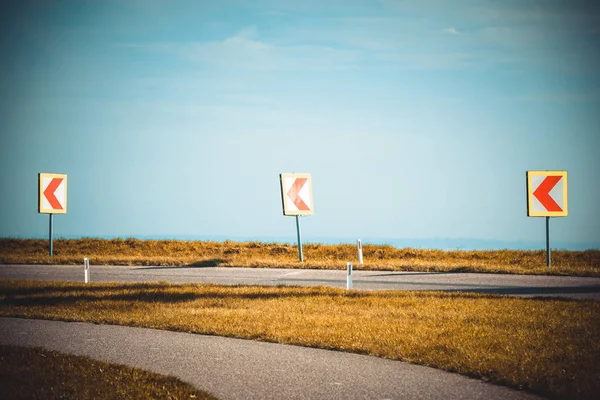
(50, 235)
(299, 239)
(547, 241)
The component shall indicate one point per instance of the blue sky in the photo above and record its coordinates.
(416, 119)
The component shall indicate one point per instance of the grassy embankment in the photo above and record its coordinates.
(39, 374)
(272, 255)
(551, 347)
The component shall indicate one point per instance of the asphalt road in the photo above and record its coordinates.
(241, 369)
(516, 285)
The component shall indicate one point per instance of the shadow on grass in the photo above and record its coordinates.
(62, 289)
(151, 293)
(532, 291)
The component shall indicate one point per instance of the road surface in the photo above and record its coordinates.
(516, 285)
(242, 369)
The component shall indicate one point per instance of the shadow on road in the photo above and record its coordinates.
(215, 262)
(408, 273)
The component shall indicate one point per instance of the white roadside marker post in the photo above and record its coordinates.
(360, 257)
(86, 270)
(349, 276)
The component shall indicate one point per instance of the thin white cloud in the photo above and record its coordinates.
(243, 51)
(450, 31)
(491, 34)
(392, 42)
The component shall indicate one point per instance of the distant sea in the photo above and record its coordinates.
(432, 243)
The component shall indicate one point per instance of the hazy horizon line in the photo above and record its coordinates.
(435, 243)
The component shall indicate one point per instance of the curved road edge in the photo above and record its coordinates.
(243, 369)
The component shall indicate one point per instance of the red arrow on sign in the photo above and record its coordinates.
(294, 194)
(49, 193)
(542, 193)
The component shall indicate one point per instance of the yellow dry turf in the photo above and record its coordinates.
(275, 255)
(33, 373)
(551, 347)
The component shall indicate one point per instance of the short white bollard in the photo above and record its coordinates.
(86, 270)
(359, 246)
(349, 276)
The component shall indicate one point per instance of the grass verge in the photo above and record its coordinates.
(548, 346)
(255, 254)
(33, 373)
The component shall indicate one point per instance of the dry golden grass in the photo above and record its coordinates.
(551, 347)
(27, 373)
(271, 255)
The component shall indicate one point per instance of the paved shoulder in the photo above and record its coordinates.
(506, 284)
(242, 369)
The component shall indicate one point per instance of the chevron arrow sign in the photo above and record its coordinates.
(52, 193)
(296, 194)
(547, 194)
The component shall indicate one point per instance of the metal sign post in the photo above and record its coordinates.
(50, 236)
(52, 198)
(547, 197)
(299, 239)
(547, 241)
(297, 200)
